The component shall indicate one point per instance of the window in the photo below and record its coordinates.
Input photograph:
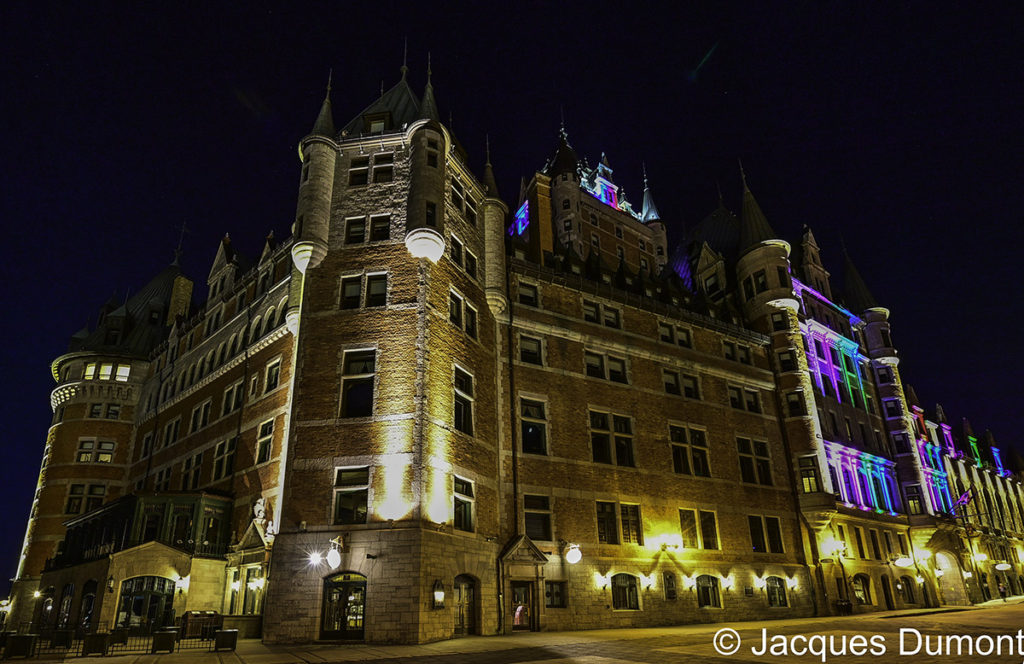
(862, 589)
(775, 589)
(884, 374)
(755, 464)
(431, 213)
(95, 410)
(915, 503)
(76, 495)
(876, 550)
(795, 404)
(683, 337)
(744, 399)
(779, 321)
(171, 431)
(147, 445)
(729, 350)
(358, 369)
(671, 381)
(859, 536)
(590, 311)
(809, 480)
(530, 350)
(355, 230)
(666, 333)
(601, 438)
(617, 370)
(162, 481)
(380, 227)
(383, 167)
(607, 523)
(463, 504)
(233, 396)
(669, 583)
(224, 458)
(106, 371)
(351, 487)
(699, 529)
(113, 411)
(534, 426)
(632, 528)
(537, 511)
(596, 365)
(461, 314)
(358, 172)
(528, 295)
(376, 290)
(743, 354)
(787, 361)
(455, 309)
(273, 376)
(264, 440)
(906, 588)
(555, 595)
(892, 407)
(689, 451)
(93, 451)
(463, 401)
(611, 318)
(707, 592)
(625, 593)
(470, 265)
(191, 472)
(456, 251)
(765, 534)
(200, 416)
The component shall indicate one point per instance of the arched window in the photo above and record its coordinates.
(906, 588)
(670, 585)
(775, 589)
(270, 321)
(862, 588)
(220, 354)
(284, 312)
(625, 594)
(88, 603)
(66, 595)
(707, 591)
(255, 334)
(234, 346)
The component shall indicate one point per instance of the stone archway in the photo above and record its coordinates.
(950, 578)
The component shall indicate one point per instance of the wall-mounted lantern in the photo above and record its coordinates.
(438, 594)
(110, 584)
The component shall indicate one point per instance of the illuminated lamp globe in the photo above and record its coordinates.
(904, 561)
(1003, 567)
(315, 558)
(981, 557)
(333, 558)
(573, 555)
(425, 243)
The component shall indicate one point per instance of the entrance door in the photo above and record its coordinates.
(465, 597)
(887, 591)
(522, 603)
(344, 603)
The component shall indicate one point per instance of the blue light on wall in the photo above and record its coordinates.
(521, 220)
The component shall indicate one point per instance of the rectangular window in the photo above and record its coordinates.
(431, 214)
(376, 290)
(90, 371)
(470, 326)
(273, 376)
(595, 364)
(859, 534)
(95, 410)
(708, 530)
(383, 165)
(632, 528)
(224, 458)
(892, 407)
(617, 370)
(743, 354)
(470, 265)
(200, 416)
(380, 227)
(729, 350)
(537, 511)
(600, 437)
(779, 321)
(123, 371)
(611, 318)
(463, 504)
(735, 397)
(233, 396)
(264, 441)
(534, 426)
(671, 381)
(358, 371)
(688, 528)
(191, 472)
(809, 480)
(689, 451)
(752, 401)
(351, 489)
(455, 251)
(691, 389)
(171, 431)
(699, 529)
(358, 172)
(755, 464)
(876, 550)
(463, 402)
(623, 441)
(113, 411)
(795, 404)
(666, 333)
(683, 337)
(355, 230)
(97, 492)
(455, 309)
(351, 292)
(162, 481)
(530, 350)
(787, 361)
(555, 595)
(590, 311)
(765, 534)
(607, 523)
(106, 371)
(528, 295)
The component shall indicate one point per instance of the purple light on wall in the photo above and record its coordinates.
(521, 220)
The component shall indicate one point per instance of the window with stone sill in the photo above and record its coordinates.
(358, 372)
(463, 398)
(264, 441)
(95, 451)
(533, 426)
(537, 515)
(765, 534)
(464, 501)
(755, 462)
(530, 350)
(351, 490)
(689, 451)
(358, 173)
(224, 458)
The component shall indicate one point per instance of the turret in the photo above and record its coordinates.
(495, 212)
(650, 216)
(428, 147)
(318, 153)
(877, 336)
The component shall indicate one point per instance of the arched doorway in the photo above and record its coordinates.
(950, 579)
(88, 604)
(887, 593)
(147, 603)
(464, 596)
(344, 606)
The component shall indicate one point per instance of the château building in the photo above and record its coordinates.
(430, 413)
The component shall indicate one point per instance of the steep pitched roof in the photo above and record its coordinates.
(858, 297)
(565, 159)
(428, 107)
(489, 180)
(324, 125)
(650, 210)
(755, 228)
(400, 103)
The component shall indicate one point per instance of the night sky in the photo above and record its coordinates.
(895, 128)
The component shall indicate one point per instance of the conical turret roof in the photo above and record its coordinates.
(565, 159)
(324, 125)
(650, 210)
(428, 107)
(489, 180)
(858, 297)
(398, 106)
(754, 227)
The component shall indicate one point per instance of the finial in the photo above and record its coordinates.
(428, 68)
(842, 244)
(330, 75)
(721, 201)
(405, 57)
(487, 143)
(743, 175)
(451, 124)
(181, 241)
(382, 87)
(643, 164)
(561, 115)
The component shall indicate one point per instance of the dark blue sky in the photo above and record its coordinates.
(896, 126)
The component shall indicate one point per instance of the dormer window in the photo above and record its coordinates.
(376, 123)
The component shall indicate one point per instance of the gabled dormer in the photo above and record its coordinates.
(222, 275)
(811, 266)
(711, 273)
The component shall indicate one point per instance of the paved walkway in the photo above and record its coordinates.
(537, 647)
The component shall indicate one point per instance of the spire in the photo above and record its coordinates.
(405, 58)
(565, 159)
(489, 180)
(754, 227)
(428, 107)
(858, 297)
(325, 121)
(650, 210)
